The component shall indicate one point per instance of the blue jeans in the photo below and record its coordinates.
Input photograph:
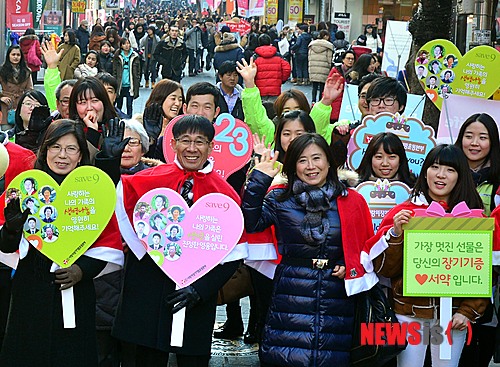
(302, 66)
(125, 93)
(150, 69)
(194, 63)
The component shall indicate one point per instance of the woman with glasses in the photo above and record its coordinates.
(15, 79)
(70, 57)
(36, 314)
(290, 100)
(30, 120)
(127, 71)
(311, 316)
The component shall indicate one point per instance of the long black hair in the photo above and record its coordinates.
(464, 190)
(391, 144)
(80, 91)
(7, 70)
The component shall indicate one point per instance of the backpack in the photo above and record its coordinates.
(32, 57)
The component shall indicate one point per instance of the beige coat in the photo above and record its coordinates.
(69, 60)
(320, 60)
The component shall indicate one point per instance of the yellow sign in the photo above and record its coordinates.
(295, 10)
(271, 11)
(78, 6)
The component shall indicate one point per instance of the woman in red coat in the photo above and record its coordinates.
(30, 46)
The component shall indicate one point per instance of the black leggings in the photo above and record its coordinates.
(316, 86)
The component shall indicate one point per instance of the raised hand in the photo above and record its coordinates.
(14, 217)
(247, 72)
(51, 56)
(113, 143)
(334, 87)
(267, 164)
(153, 121)
(68, 277)
(39, 119)
(259, 145)
(90, 120)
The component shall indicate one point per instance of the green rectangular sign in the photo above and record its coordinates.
(448, 257)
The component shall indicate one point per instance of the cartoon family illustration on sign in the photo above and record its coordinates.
(158, 225)
(436, 68)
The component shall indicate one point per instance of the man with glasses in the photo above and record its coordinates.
(386, 94)
(192, 176)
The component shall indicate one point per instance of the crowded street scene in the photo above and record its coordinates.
(219, 183)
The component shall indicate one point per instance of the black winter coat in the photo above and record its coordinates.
(310, 320)
(172, 58)
(302, 45)
(106, 62)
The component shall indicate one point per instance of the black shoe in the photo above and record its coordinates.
(209, 66)
(250, 338)
(228, 332)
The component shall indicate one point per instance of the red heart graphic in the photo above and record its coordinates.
(421, 278)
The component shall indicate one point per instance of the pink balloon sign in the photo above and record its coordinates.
(186, 243)
(233, 144)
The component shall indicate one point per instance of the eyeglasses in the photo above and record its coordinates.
(69, 150)
(31, 104)
(134, 142)
(388, 101)
(199, 143)
(64, 102)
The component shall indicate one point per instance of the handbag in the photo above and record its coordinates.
(11, 117)
(237, 287)
(372, 306)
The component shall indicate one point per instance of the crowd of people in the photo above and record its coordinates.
(305, 226)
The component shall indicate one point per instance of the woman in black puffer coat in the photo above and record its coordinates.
(321, 228)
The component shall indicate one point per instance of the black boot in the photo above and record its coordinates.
(250, 336)
(233, 327)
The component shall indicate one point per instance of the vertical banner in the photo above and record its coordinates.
(36, 8)
(256, 8)
(230, 6)
(272, 12)
(295, 11)
(242, 8)
(343, 21)
(13, 8)
(396, 48)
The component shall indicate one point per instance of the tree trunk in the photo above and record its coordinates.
(432, 20)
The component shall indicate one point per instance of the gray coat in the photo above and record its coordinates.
(192, 38)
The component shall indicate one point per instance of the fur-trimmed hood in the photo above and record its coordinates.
(151, 162)
(226, 47)
(32, 37)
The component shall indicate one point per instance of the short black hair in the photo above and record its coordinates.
(367, 79)
(433, 77)
(386, 86)
(32, 218)
(227, 67)
(339, 35)
(202, 88)
(30, 200)
(157, 235)
(107, 78)
(264, 40)
(192, 124)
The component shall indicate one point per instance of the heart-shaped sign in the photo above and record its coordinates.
(443, 70)
(233, 144)
(65, 220)
(186, 243)
(421, 278)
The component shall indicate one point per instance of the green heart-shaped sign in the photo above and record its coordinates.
(443, 70)
(65, 220)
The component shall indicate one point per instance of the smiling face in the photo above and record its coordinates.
(476, 144)
(131, 155)
(202, 105)
(312, 166)
(63, 163)
(291, 130)
(175, 214)
(172, 104)
(159, 202)
(385, 165)
(192, 157)
(89, 102)
(173, 232)
(441, 180)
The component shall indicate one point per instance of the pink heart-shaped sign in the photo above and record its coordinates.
(186, 243)
(421, 278)
(233, 144)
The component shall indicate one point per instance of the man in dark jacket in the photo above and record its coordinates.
(230, 91)
(228, 50)
(83, 36)
(301, 55)
(171, 54)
